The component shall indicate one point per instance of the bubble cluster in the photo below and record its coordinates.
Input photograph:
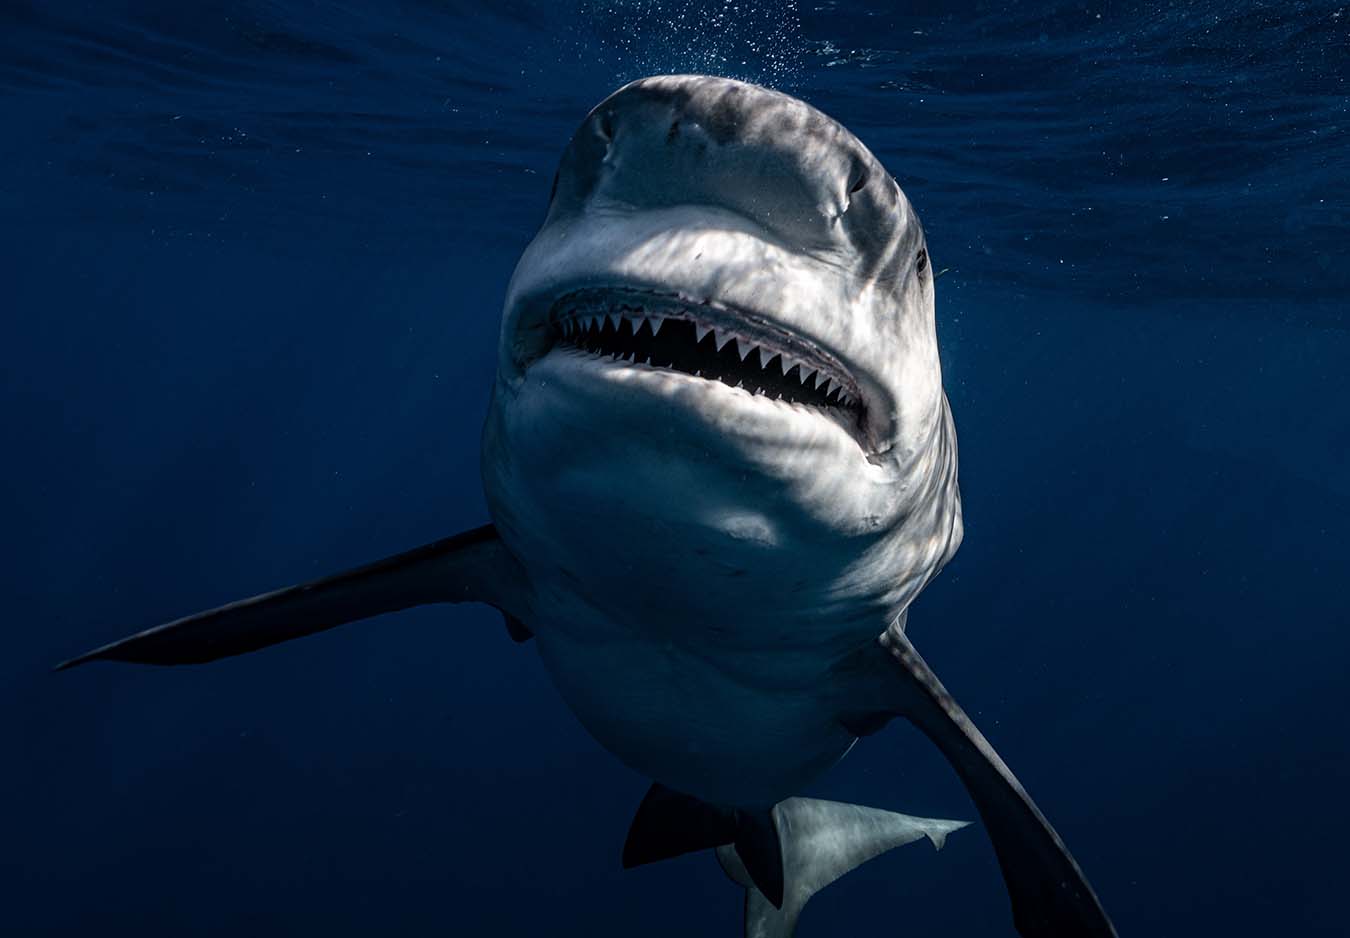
(752, 41)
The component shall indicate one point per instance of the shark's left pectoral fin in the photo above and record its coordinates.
(470, 567)
(1051, 898)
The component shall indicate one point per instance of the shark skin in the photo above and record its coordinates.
(720, 466)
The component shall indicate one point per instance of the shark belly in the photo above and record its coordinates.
(682, 718)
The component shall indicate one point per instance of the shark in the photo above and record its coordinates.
(720, 465)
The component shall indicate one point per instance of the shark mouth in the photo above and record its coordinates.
(706, 341)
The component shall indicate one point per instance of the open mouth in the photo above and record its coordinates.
(706, 341)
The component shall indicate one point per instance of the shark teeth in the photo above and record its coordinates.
(635, 336)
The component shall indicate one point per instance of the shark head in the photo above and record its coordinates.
(719, 352)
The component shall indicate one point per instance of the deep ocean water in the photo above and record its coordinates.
(251, 265)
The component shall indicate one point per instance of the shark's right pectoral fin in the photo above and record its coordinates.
(1051, 898)
(470, 567)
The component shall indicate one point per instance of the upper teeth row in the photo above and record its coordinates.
(576, 324)
(809, 375)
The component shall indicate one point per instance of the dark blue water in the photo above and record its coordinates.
(251, 263)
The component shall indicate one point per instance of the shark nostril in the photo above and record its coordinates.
(855, 186)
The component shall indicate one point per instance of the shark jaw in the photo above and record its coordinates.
(631, 335)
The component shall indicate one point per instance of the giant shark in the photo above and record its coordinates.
(720, 466)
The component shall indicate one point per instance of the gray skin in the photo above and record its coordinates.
(718, 579)
(704, 557)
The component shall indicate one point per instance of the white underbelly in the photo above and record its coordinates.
(676, 717)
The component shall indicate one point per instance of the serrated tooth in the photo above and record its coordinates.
(700, 331)
(786, 364)
(803, 375)
(829, 383)
(744, 348)
(721, 340)
(614, 320)
(765, 356)
(655, 322)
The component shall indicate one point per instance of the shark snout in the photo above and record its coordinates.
(684, 139)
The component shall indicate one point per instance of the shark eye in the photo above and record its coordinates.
(921, 262)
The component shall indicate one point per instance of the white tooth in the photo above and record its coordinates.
(700, 331)
(765, 356)
(744, 348)
(656, 322)
(614, 320)
(785, 364)
(805, 375)
(722, 340)
(829, 382)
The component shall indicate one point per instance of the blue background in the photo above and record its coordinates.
(251, 266)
